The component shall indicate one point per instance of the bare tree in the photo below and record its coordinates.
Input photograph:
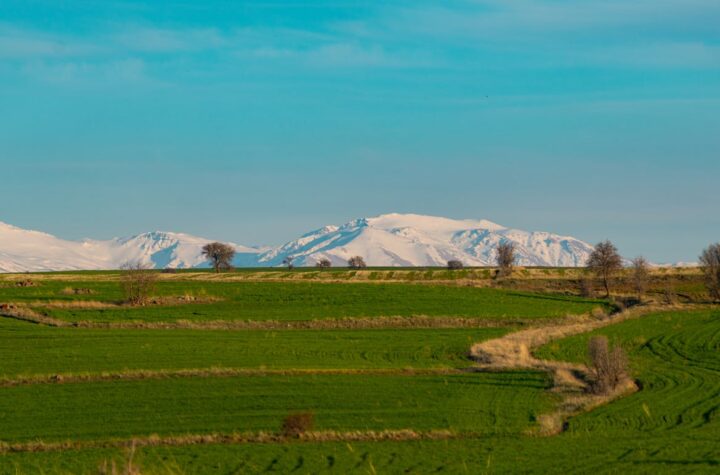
(219, 254)
(356, 262)
(710, 263)
(505, 258)
(137, 281)
(323, 263)
(454, 264)
(609, 365)
(640, 275)
(605, 262)
(288, 261)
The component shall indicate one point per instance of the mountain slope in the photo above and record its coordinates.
(386, 240)
(32, 251)
(417, 240)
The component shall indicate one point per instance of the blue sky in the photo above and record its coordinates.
(258, 121)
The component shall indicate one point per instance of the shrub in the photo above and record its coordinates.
(505, 258)
(137, 282)
(454, 265)
(710, 264)
(608, 365)
(356, 262)
(640, 273)
(323, 263)
(296, 424)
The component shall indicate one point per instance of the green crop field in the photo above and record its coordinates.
(298, 301)
(198, 399)
(29, 349)
(480, 403)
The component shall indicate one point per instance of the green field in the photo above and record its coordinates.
(300, 301)
(423, 382)
(29, 349)
(676, 358)
(480, 403)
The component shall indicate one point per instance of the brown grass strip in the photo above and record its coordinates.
(26, 314)
(139, 375)
(230, 438)
(321, 324)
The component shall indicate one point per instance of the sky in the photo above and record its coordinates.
(256, 122)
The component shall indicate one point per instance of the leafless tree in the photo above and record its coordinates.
(356, 262)
(454, 264)
(710, 263)
(219, 254)
(505, 258)
(323, 263)
(605, 262)
(609, 365)
(138, 282)
(288, 261)
(640, 275)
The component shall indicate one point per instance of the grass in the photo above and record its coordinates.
(479, 403)
(29, 349)
(302, 301)
(675, 356)
(671, 425)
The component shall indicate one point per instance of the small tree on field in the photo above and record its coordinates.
(323, 263)
(137, 281)
(288, 261)
(219, 254)
(356, 262)
(640, 275)
(454, 265)
(710, 263)
(608, 365)
(505, 258)
(605, 262)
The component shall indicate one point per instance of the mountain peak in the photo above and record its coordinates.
(392, 239)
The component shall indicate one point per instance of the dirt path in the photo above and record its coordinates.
(514, 351)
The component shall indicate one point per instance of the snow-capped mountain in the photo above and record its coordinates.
(416, 240)
(32, 251)
(386, 240)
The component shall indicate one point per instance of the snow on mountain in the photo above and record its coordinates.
(416, 240)
(386, 240)
(33, 251)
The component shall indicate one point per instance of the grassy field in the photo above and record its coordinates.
(671, 425)
(29, 349)
(479, 403)
(675, 357)
(296, 301)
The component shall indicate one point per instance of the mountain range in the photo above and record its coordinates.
(386, 240)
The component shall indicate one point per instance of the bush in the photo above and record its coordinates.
(296, 424)
(356, 262)
(137, 282)
(505, 258)
(710, 265)
(454, 265)
(608, 365)
(323, 263)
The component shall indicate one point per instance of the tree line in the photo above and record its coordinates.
(605, 262)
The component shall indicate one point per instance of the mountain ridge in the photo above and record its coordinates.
(391, 240)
